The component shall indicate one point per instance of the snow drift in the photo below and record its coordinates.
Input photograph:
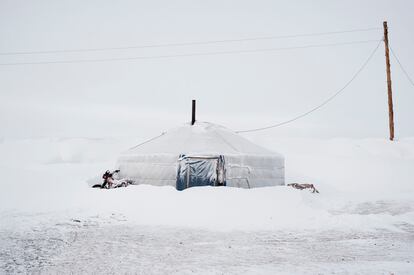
(362, 221)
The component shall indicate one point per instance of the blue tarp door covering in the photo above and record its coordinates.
(200, 171)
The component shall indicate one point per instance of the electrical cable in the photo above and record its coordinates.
(187, 55)
(324, 102)
(186, 43)
(402, 67)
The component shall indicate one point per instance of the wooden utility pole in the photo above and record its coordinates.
(193, 113)
(387, 63)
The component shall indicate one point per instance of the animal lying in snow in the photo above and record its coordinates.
(302, 186)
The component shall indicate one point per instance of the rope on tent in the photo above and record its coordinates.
(149, 140)
(324, 102)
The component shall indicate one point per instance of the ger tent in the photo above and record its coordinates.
(202, 154)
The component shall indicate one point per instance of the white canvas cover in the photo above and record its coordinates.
(247, 164)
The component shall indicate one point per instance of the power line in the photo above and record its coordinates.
(187, 55)
(324, 102)
(402, 67)
(187, 43)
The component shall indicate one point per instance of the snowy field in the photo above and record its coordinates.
(362, 222)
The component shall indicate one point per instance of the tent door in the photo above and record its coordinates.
(200, 171)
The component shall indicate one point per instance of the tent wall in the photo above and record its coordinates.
(244, 171)
(157, 170)
(254, 171)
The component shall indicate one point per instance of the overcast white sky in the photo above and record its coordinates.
(144, 97)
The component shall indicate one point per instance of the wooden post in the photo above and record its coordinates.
(193, 113)
(387, 63)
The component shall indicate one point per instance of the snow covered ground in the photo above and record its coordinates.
(361, 222)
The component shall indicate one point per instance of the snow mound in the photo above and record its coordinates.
(361, 222)
(367, 185)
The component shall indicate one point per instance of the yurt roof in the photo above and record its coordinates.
(202, 138)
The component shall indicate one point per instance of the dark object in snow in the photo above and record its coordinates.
(200, 171)
(110, 181)
(76, 220)
(302, 186)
